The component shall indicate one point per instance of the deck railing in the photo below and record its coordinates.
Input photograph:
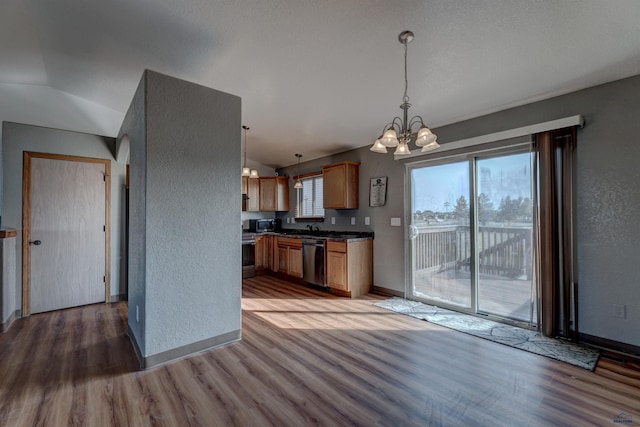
(503, 251)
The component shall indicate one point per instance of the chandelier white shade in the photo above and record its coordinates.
(400, 131)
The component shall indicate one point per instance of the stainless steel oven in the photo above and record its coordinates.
(248, 256)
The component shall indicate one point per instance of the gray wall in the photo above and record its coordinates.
(8, 276)
(134, 127)
(18, 138)
(185, 215)
(607, 199)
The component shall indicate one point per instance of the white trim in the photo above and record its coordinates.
(497, 136)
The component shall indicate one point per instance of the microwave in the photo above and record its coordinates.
(262, 225)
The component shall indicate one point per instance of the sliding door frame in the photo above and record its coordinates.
(497, 149)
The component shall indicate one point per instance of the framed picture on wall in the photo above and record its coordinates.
(378, 192)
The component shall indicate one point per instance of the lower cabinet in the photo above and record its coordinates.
(264, 253)
(289, 256)
(337, 270)
(349, 268)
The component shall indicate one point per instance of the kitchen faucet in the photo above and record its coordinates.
(312, 228)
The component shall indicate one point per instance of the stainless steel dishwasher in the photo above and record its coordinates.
(313, 261)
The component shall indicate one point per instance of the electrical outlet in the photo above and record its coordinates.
(619, 311)
(288, 220)
(333, 220)
(137, 314)
(366, 220)
(293, 220)
(353, 220)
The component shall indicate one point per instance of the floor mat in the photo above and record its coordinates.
(524, 339)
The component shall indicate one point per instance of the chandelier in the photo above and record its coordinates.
(251, 173)
(400, 131)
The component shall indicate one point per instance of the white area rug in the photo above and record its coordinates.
(513, 336)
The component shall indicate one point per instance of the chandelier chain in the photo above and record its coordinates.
(405, 98)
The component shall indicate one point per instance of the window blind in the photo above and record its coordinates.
(309, 203)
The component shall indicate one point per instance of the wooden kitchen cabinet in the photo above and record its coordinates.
(340, 185)
(274, 193)
(264, 253)
(295, 262)
(337, 270)
(349, 269)
(251, 187)
(289, 256)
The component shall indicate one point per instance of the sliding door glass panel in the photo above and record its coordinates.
(441, 249)
(504, 237)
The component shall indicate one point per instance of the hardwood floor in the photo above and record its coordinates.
(306, 358)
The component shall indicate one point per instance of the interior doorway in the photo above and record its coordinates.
(66, 229)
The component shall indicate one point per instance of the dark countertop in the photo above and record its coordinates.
(344, 236)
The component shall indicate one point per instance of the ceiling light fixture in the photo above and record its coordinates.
(400, 132)
(298, 184)
(251, 173)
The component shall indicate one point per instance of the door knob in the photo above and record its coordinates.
(35, 242)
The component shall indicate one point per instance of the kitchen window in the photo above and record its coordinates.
(309, 203)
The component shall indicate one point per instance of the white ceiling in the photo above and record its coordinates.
(321, 76)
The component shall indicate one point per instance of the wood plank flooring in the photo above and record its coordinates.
(306, 358)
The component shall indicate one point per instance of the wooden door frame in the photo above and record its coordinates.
(26, 222)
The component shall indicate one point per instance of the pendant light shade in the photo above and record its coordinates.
(298, 184)
(246, 171)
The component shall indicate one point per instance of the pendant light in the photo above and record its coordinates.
(400, 131)
(298, 184)
(251, 173)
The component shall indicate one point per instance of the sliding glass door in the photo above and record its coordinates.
(441, 247)
(471, 234)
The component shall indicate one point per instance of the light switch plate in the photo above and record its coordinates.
(333, 220)
(288, 220)
(366, 220)
(353, 220)
(293, 220)
(396, 222)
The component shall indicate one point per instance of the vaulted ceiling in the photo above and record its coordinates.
(321, 76)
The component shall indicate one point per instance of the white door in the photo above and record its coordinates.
(67, 233)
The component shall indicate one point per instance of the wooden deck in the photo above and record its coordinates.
(498, 295)
(306, 358)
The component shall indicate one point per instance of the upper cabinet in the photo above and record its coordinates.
(251, 187)
(274, 193)
(340, 183)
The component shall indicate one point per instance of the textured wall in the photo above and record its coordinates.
(18, 138)
(8, 270)
(192, 249)
(607, 199)
(134, 127)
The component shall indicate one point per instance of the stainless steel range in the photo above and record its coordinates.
(248, 255)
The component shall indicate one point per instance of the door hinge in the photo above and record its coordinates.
(104, 228)
(104, 279)
(104, 178)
